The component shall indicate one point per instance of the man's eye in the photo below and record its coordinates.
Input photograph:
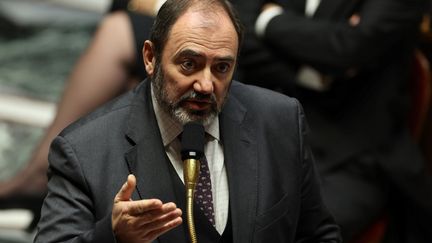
(188, 65)
(223, 67)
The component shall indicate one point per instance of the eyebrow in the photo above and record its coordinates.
(190, 52)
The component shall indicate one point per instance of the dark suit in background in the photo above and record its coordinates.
(274, 195)
(359, 133)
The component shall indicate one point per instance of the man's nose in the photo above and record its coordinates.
(204, 83)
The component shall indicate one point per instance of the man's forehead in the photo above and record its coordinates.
(196, 28)
(190, 52)
(202, 16)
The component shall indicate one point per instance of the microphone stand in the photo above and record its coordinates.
(190, 174)
(192, 140)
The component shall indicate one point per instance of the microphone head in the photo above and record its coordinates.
(192, 141)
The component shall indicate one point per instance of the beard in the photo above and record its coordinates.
(177, 109)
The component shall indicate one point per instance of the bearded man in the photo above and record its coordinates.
(261, 174)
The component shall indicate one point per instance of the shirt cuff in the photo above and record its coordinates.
(158, 5)
(309, 78)
(264, 19)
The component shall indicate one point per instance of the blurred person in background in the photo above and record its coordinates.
(111, 64)
(348, 62)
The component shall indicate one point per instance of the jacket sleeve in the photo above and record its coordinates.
(315, 222)
(67, 213)
(333, 44)
(262, 65)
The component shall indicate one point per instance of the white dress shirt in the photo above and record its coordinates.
(311, 7)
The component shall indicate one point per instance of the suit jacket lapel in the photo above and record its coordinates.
(147, 160)
(240, 151)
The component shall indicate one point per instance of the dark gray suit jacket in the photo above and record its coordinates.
(274, 192)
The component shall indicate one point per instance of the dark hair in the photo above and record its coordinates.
(171, 10)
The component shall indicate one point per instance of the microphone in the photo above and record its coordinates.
(192, 150)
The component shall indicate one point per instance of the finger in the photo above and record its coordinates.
(147, 207)
(154, 214)
(126, 190)
(164, 224)
(156, 233)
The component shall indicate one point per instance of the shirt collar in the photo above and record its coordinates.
(170, 129)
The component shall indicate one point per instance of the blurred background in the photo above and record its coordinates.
(40, 41)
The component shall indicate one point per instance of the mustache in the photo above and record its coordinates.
(198, 96)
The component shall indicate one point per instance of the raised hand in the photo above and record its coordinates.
(143, 220)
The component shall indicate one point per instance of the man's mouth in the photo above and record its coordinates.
(198, 104)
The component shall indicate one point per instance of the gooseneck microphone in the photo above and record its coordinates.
(192, 150)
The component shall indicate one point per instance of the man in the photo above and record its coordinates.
(264, 187)
(348, 63)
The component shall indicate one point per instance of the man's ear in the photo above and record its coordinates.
(149, 57)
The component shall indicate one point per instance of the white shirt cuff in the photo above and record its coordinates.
(310, 78)
(158, 5)
(264, 19)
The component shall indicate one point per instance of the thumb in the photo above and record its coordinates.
(126, 190)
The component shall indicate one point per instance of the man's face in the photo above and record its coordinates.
(192, 80)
